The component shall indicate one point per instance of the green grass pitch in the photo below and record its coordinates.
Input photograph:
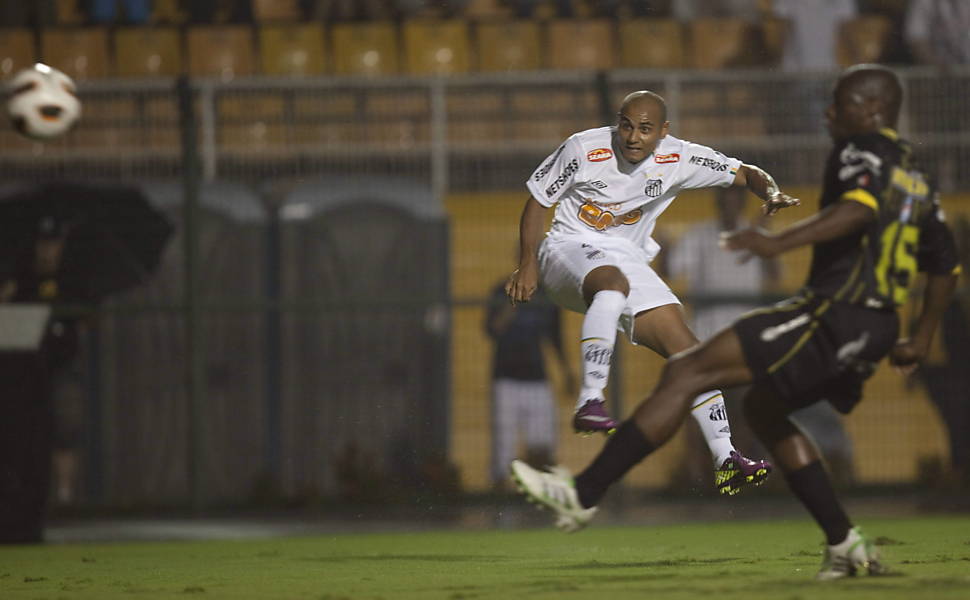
(725, 560)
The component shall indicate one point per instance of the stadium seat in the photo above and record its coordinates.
(68, 13)
(720, 43)
(292, 49)
(225, 51)
(580, 44)
(437, 47)
(16, 51)
(148, 52)
(508, 46)
(168, 11)
(651, 44)
(365, 48)
(81, 53)
(772, 42)
(276, 10)
(486, 9)
(863, 39)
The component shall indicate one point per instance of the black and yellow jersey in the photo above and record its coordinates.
(877, 265)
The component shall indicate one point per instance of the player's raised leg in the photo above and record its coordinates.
(664, 330)
(605, 291)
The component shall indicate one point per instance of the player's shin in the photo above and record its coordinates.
(598, 338)
(711, 415)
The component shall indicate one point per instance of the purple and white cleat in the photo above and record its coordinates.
(738, 471)
(593, 418)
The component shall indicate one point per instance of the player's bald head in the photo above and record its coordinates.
(645, 100)
(877, 84)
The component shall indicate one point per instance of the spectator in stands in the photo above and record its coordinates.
(106, 11)
(566, 9)
(219, 11)
(688, 10)
(946, 377)
(937, 32)
(810, 31)
(450, 9)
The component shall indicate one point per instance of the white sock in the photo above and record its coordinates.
(596, 344)
(710, 413)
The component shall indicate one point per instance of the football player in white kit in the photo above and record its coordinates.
(609, 186)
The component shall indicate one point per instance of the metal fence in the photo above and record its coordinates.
(285, 350)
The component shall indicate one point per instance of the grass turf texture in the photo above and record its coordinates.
(725, 560)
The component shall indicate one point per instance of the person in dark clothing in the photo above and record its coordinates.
(522, 397)
(26, 392)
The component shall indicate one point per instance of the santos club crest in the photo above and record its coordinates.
(654, 188)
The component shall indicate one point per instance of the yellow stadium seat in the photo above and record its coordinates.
(148, 52)
(81, 53)
(863, 39)
(168, 11)
(720, 43)
(436, 46)
(580, 44)
(508, 46)
(276, 10)
(68, 13)
(651, 44)
(365, 48)
(225, 51)
(292, 49)
(16, 51)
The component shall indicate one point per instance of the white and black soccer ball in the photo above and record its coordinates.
(42, 102)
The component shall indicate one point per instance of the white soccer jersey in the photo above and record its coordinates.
(599, 193)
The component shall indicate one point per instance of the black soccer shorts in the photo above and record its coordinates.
(810, 348)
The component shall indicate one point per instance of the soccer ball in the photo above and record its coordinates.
(42, 103)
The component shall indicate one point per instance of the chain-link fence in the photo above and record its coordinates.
(316, 325)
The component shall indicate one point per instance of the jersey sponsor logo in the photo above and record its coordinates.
(599, 155)
(548, 166)
(666, 158)
(654, 188)
(600, 219)
(710, 163)
(771, 334)
(855, 161)
(600, 185)
(566, 174)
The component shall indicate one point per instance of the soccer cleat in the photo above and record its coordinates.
(593, 418)
(554, 489)
(737, 471)
(848, 557)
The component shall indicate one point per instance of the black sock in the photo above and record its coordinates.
(811, 484)
(622, 451)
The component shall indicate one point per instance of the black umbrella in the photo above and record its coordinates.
(114, 238)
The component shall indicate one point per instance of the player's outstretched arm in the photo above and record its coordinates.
(763, 186)
(525, 279)
(834, 221)
(909, 352)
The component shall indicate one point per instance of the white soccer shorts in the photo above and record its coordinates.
(564, 262)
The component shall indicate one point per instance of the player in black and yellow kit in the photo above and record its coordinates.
(878, 224)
